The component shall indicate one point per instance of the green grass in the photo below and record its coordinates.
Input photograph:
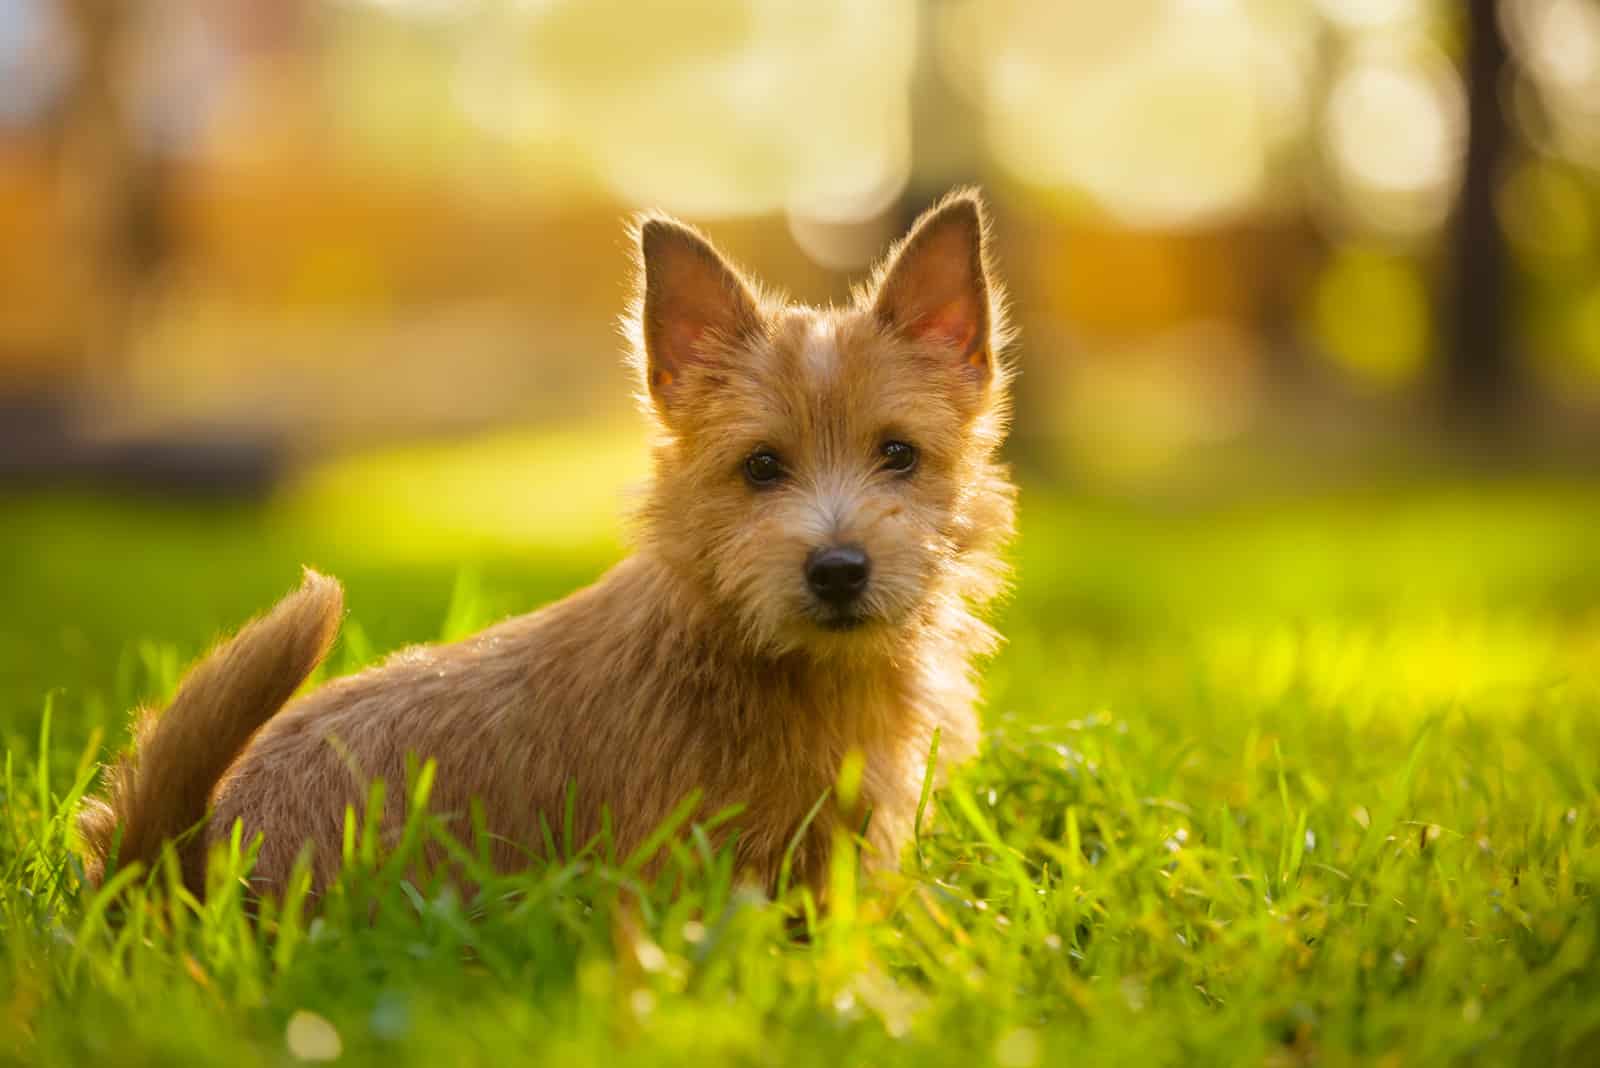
(1312, 781)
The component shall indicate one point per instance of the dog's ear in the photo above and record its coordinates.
(694, 307)
(934, 287)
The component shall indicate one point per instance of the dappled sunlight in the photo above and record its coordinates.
(1372, 14)
(1559, 43)
(804, 107)
(1396, 132)
(1161, 118)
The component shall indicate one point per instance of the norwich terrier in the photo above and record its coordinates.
(821, 530)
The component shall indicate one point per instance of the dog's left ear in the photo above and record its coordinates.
(935, 287)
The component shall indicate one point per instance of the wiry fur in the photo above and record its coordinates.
(698, 662)
(162, 787)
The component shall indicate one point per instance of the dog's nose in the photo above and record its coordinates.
(838, 575)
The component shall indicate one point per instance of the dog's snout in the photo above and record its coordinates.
(838, 575)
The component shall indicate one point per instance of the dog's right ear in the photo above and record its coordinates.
(695, 307)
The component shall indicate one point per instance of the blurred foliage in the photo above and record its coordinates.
(367, 218)
(1389, 340)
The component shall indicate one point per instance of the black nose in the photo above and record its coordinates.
(837, 575)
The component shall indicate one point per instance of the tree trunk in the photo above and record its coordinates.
(1479, 369)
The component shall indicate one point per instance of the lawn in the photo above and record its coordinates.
(1304, 781)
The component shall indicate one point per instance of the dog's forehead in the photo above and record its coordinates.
(831, 359)
(832, 374)
(819, 350)
(826, 380)
(806, 352)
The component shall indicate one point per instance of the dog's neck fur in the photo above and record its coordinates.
(768, 729)
(688, 640)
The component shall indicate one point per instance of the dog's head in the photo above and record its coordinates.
(827, 477)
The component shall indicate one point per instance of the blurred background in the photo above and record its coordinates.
(1241, 236)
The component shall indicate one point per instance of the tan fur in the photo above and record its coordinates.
(699, 662)
(162, 788)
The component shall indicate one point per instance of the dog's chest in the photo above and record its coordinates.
(841, 752)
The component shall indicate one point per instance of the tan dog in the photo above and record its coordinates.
(824, 520)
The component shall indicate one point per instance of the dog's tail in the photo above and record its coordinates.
(162, 786)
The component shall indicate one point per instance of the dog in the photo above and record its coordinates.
(824, 526)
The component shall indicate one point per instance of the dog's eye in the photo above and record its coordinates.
(898, 456)
(763, 467)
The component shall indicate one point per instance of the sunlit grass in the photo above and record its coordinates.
(1305, 782)
(507, 492)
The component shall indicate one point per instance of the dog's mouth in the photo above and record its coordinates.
(852, 617)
